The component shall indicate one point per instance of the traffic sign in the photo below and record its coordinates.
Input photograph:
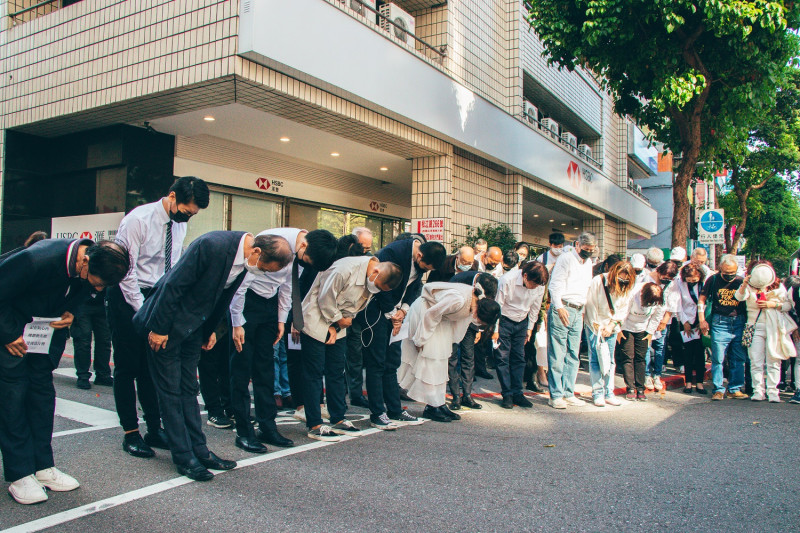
(711, 228)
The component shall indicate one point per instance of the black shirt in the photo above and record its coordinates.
(721, 295)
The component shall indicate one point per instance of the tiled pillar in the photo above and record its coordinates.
(514, 204)
(596, 226)
(2, 177)
(432, 190)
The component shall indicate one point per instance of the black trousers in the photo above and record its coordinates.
(324, 359)
(354, 361)
(174, 371)
(91, 319)
(215, 376)
(482, 351)
(631, 358)
(26, 417)
(465, 352)
(694, 361)
(381, 360)
(529, 375)
(255, 362)
(511, 355)
(130, 366)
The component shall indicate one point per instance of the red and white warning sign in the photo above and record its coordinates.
(431, 228)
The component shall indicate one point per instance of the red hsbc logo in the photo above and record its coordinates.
(374, 206)
(86, 235)
(574, 175)
(263, 184)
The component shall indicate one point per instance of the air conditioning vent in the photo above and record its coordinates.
(358, 7)
(569, 139)
(404, 23)
(530, 112)
(585, 150)
(550, 124)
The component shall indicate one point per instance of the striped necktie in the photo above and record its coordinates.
(168, 248)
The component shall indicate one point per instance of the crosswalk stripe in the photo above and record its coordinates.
(86, 414)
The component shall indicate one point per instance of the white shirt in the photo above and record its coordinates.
(238, 263)
(143, 232)
(516, 300)
(270, 283)
(687, 308)
(640, 318)
(551, 257)
(597, 309)
(570, 280)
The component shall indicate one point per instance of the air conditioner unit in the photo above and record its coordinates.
(569, 139)
(631, 185)
(358, 7)
(404, 23)
(530, 112)
(585, 150)
(550, 124)
(638, 188)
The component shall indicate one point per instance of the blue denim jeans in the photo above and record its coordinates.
(281, 370)
(654, 360)
(602, 385)
(563, 352)
(727, 331)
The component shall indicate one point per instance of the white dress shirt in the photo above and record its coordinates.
(270, 283)
(238, 263)
(641, 318)
(570, 279)
(597, 309)
(687, 308)
(143, 232)
(517, 301)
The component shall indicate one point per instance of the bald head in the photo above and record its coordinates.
(494, 256)
(466, 255)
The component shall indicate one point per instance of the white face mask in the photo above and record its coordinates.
(371, 287)
(556, 251)
(253, 269)
(464, 268)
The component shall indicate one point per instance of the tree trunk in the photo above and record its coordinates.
(680, 197)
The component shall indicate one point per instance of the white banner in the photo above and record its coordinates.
(95, 227)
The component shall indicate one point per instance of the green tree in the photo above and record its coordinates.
(774, 226)
(687, 70)
(498, 235)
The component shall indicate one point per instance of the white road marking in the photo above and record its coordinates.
(81, 430)
(86, 414)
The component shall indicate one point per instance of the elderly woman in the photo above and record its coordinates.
(766, 306)
(606, 309)
(438, 319)
(643, 318)
(694, 355)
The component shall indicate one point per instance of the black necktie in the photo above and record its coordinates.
(168, 248)
(297, 301)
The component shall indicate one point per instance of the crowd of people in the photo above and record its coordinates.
(311, 320)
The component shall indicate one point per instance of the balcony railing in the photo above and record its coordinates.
(18, 14)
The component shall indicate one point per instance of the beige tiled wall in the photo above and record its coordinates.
(432, 190)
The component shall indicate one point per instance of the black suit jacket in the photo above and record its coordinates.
(449, 269)
(193, 295)
(399, 252)
(35, 282)
(467, 278)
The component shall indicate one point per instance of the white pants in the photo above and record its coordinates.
(797, 366)
(760, 361)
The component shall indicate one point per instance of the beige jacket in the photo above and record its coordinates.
(339, 292)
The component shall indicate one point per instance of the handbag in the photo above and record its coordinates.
(750, 331)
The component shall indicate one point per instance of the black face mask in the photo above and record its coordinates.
(728, 277)
(506, 268)
(179, 216)
(304, 264)
(585, 254)
(691, 284)
(652, 266)
(665, 282)
(623, 282)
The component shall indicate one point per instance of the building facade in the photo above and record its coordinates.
(310, 113)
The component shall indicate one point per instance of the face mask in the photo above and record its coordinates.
(302, 263)
(585, 254)
(506, 269)
(371, 287)
(728, 277)
(179, 216)
(556, 251)
(623, 282)
(464, 268)
(253, 269)
(665, 282)
(691, 284)
(652, 266)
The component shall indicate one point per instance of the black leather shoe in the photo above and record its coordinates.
(105, 381)
(483, 374)
(271, 436)
(533, 387)
(433, 413)
(447, 412)
(468, 401)
(215, 463)
(360, 401)
(157, 439)
(134, 445)
(507, 403)
(250, 445)
(522, 401)
(195, 470)
(455, 405)
(83, 384)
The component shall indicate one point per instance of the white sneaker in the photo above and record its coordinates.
(758, 397)
(574, 400)
(613, 400)
(774, 399)
(558, 403)
(323, 433)
(599, 401)
(299, 414)
(648, 383)
(56, 480)
(27, 491)
(657, 385)
(323, 411)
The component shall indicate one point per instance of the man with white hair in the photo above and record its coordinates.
(480, 249)
(678, 254)
(700, 258)
(569, 287)
(653, 257)
(364, 236)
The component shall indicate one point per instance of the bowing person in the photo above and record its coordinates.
(179, 319)
(51, 278)
(336, 296)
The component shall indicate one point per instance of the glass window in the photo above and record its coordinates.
(254, 215)
(211, 218)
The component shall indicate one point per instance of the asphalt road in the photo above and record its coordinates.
(674, 463)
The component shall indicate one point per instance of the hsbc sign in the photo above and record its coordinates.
(264, 184)
(94, 227)
(579, 176)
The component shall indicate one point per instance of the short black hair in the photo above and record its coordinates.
(35, 237)
(408, 235)
(109, 261)
(668, 268)
(489, 284)
(394, 274)
(522, 244)
(510, 259)
(433, 253)
(321, 248)
(189, 189)
(274, 248)
(488, 311)
(536, 272)
(556, 238)
(348, 246)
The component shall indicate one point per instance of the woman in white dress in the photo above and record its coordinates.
(436, 320)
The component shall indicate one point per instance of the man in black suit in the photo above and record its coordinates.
(383, 317)
(463, 261)
(179, 319)
(51, 278)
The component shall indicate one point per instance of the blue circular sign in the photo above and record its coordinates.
(711, 221)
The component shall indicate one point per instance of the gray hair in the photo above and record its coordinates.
(728, 259)
(698, 251)
(655, 255)
(480, 242)
(361, 229)
(587, 238)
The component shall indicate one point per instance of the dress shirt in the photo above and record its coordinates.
(517, 301)
(270, 283)
(597, 309)
(641, 318)
(238, 263)
(143, 232)
(687, 308)
(570, 279)
(339, 292)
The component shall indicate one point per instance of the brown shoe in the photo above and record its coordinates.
(718, 396)
(738, 395)
(278, 401)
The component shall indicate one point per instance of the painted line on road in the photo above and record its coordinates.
(85, 414)
(138, 494)
(82, 430)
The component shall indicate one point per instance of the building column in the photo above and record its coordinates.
(514, 204)
(2, 177)
(432, 190)
(596, 226)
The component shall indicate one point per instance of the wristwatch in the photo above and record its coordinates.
(337, 327)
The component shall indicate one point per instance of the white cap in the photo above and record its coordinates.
(678, 254)
(638, 261)
(762, 276)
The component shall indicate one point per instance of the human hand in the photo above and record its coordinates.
(563, 314)
(65, 322)
(345, 322)
(156, 341)
(528, 336)
(331, 336)
(212, 340)
(238, 338)
(295, 335)
(704, 327)
(18, 348)
(279, 336)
